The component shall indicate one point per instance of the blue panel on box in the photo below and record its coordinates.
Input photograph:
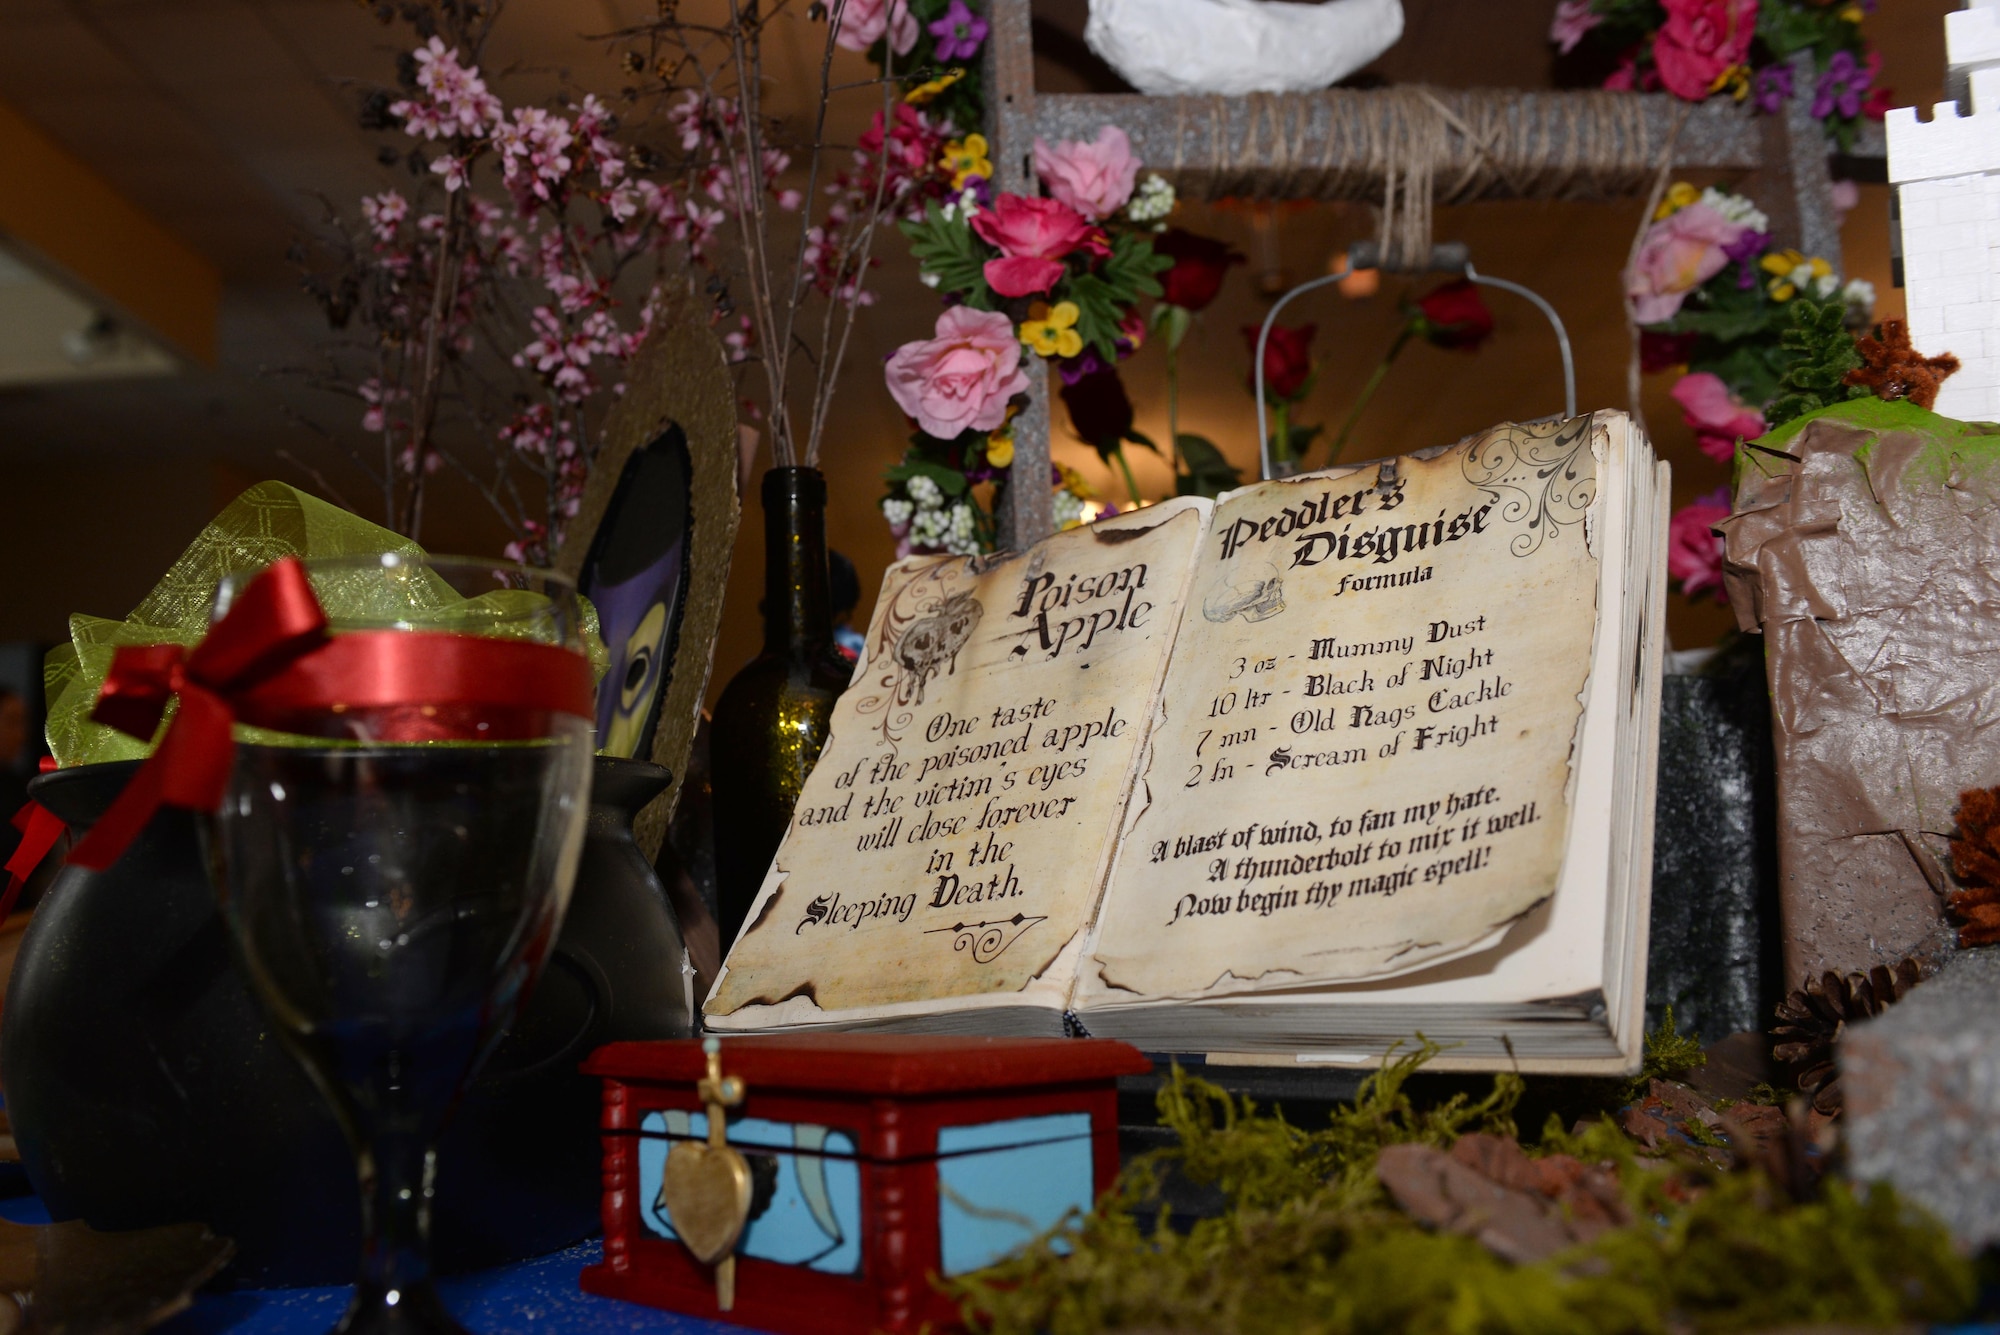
(814, 1218)
(1001, 1184)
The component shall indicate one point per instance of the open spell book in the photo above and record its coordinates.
(1287, 777)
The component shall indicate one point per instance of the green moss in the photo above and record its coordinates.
(1310, 1244)
(1951, 448)
(1770, 1095)
(1869, 414)
(1668, 1056)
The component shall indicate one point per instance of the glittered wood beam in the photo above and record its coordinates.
(1489, 144)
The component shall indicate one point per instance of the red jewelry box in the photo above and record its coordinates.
(887, 1159)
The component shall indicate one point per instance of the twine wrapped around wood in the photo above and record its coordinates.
(1407, 149)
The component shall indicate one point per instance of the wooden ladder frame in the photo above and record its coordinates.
(1786, 155)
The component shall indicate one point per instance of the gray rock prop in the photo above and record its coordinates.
(1922, 1089)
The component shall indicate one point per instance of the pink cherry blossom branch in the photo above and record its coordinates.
(829, 374)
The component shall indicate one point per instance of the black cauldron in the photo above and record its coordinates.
(145, 1086)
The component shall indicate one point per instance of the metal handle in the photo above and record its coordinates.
(1451, 257)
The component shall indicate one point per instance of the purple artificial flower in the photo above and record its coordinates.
(981, 471)
(958, 33)
(1772, 88)
(1076, 368)
(1845, 80)
(1745, 252)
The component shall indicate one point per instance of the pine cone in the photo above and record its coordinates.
(1975, 859)
(1813, 1019)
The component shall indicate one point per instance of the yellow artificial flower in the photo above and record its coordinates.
(966, 158)
(1735, 79)
(1679, 197)
(925, 93)
(1791, 271)
(1852, 13)
(1053, 334)
(1000, 447)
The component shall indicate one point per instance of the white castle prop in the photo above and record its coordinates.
(1947, 177)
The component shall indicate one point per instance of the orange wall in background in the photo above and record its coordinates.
(68, 216)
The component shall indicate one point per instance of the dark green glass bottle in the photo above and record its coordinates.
(775, 714)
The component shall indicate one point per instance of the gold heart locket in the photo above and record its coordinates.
(706, 1186)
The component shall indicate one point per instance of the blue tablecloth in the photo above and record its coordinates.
(528, 1298)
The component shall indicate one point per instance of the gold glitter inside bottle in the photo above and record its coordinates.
(775, 714)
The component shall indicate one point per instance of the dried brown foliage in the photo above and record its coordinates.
(1892, 369)
(1975, 859)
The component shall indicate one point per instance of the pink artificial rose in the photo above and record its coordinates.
(1694, 555)
(1718, 417)
(1573, 19)
(862, 23)
(1701, 39)
(1846, 195)
(960, 380)
(1095, 178)
(1032, 236)
(1681, 252)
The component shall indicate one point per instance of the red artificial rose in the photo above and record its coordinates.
(1700, 41)
(1663, 352)
(1200, 264)
(1455, 315)
(1287, 359)
(1100, 412)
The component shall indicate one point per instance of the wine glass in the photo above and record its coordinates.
(394, 880)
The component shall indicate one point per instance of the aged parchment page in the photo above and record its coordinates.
(952, 838)
(1363, 755)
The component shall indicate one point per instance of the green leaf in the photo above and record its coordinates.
(1753, 370)
(1175, 321)
(1140, 438)
(1208, 473)
(947, 249)
(1105, 295)
(950, 481)
(1730, 326)
(1786, 29)
(1098, 312)
(1130, 267)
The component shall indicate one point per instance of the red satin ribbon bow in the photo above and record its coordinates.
(269, 662)
(272, 623)
(40, 828)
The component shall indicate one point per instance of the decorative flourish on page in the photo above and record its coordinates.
(1543, 480)
(988, 941)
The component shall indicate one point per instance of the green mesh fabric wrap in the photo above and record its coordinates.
(266, 523)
